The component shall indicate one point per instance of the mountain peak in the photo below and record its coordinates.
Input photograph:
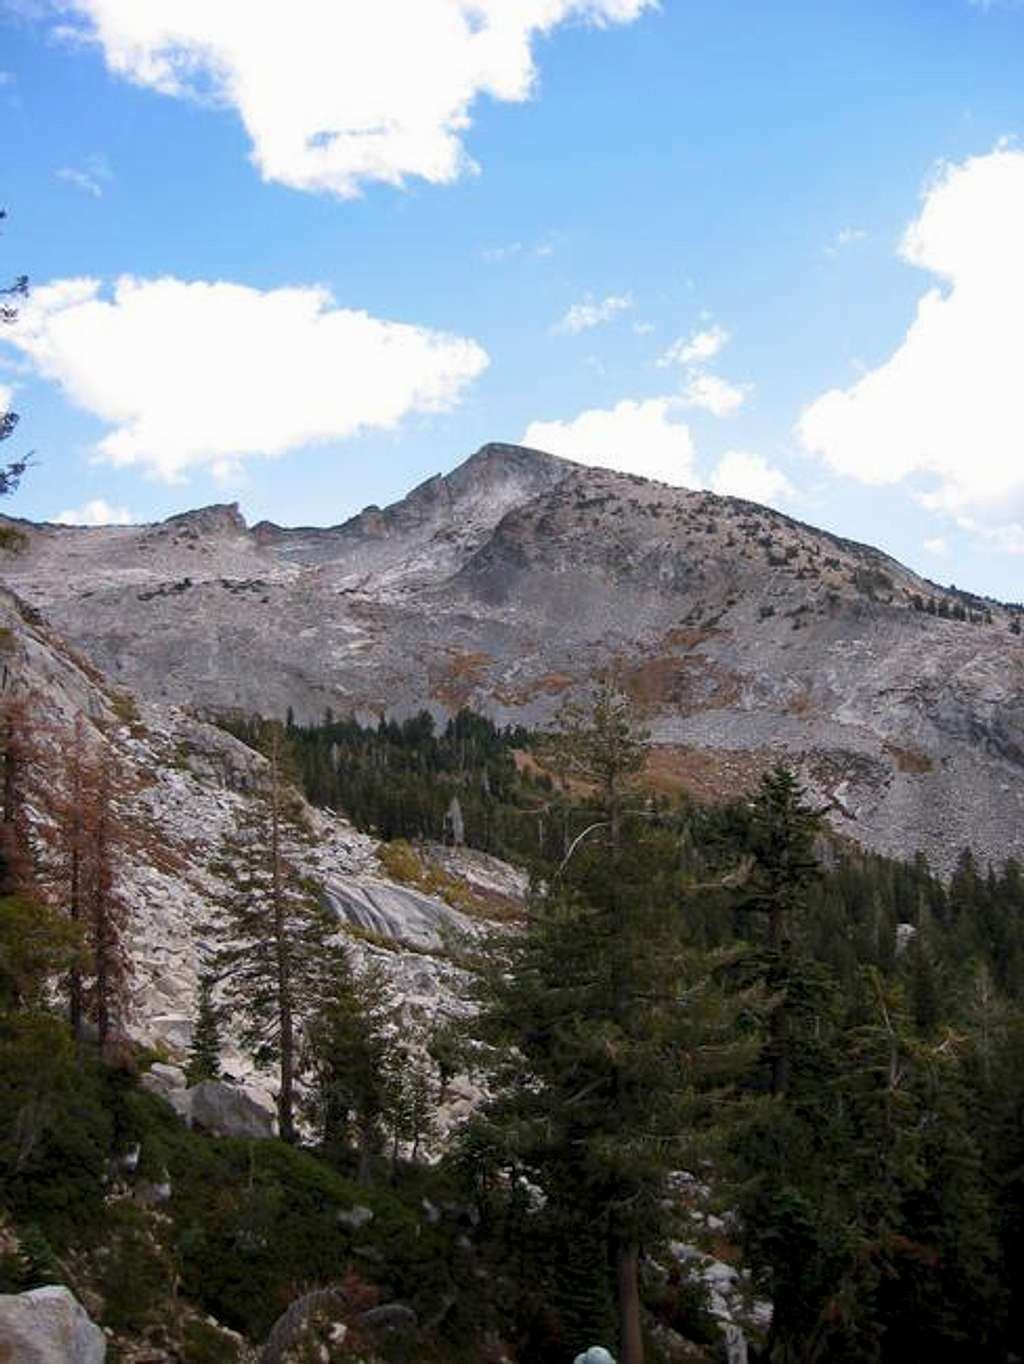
(217, 518)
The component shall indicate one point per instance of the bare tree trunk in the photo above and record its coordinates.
(75, 988)
(631, 1344)
(103, 945)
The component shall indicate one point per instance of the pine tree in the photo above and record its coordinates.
(205, 1049)
(274, 960)
(106, 908)
(608, 1028)
(782, 834)
(354, 1063)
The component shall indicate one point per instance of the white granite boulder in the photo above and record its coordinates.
(48, 1326)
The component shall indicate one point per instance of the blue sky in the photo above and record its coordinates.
(305, 260)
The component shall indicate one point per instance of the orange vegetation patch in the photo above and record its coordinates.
(688, 636)
(707, 774)
(550, 684)
(528, 763)
(800, 704)
(689, 684)
(909, 759)
(454, 680)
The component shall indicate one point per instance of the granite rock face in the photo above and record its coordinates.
(511, 582)
(48, 1326)
(188, 783)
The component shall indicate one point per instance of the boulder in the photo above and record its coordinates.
(48, 1326)
(163, 1080)
(389, 1316)
(226, 1111)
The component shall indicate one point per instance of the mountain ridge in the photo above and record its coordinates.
(511, 582)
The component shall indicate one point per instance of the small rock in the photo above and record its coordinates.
(355, 1218)
(390, 1316)
(431, 1212)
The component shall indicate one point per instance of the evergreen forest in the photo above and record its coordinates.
(713, 1025)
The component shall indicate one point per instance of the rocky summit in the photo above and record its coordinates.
(509, 584)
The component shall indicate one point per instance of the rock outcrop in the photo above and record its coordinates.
(48, 1326)
(187, 785)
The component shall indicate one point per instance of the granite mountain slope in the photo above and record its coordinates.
(186, 782)
(511, 582)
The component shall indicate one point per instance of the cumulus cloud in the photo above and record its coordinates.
(702, 390)
(937, 544)
(636, 437)
(742, 474)
(197, 373)
(96, 513)
(946, 409)
(696, 349)
(713, 394)
(582, 317)
(6, 398)
(335, 94)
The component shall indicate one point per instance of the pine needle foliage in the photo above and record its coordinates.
(276, 958)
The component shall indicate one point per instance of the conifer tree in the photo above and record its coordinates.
(85, 837)
(204, 1052)
(355, 1063)
(106, 908)
(782, 834)
(609, 1029)
(274, 959)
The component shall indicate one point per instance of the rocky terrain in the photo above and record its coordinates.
(187, 782)
(508, 584)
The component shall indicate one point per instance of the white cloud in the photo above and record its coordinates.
(643, 328)
(96, 513)
(582, 317)
(189, 374)
(700, 389)
(91, 177)
(636, 437)
(937, 545)
(713, 394)
(947, 407)
(6, 398)
(750, 476)
(332, 93)
(697, 348)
